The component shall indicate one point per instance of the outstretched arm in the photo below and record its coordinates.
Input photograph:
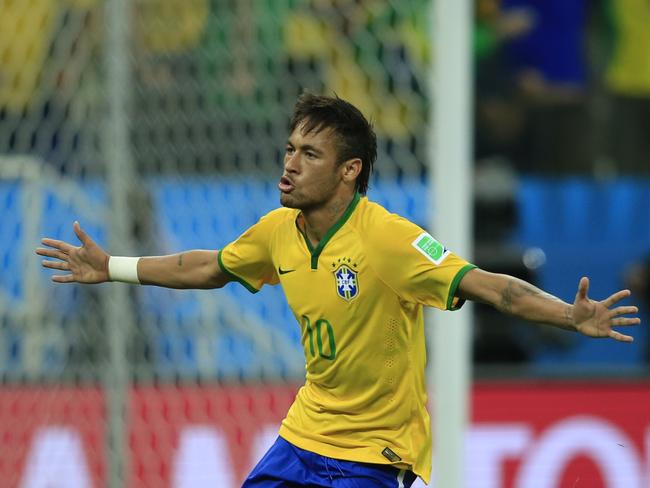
(516, 297)
(89, 263)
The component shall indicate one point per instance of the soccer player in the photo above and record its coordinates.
(356, 278)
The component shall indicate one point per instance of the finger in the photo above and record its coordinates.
(616, 297)
(64, 278)
(615, 312)
(50, 253)
(620, 337)
(626, 321)
(583, 288)
(81, 235)
(56, 244)
(63, 265)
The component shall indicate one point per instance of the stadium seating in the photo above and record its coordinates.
(583, 227)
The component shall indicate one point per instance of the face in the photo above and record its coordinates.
(312, 176)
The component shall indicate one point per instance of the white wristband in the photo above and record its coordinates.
(123, 269)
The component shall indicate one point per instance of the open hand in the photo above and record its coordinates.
(596, 319)
(86, 264)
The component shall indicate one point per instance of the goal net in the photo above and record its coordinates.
(201, 92)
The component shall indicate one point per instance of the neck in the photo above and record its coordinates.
(317, 221)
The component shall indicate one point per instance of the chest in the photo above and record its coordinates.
(334, 280)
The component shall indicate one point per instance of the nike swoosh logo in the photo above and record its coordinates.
(285, 271)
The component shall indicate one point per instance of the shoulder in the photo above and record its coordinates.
(270, 224)
(386, 234)
(278, 217)
(282, 213)
(374, 222)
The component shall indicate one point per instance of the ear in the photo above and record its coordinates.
(351, 169)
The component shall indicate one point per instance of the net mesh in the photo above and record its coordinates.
(211, 86)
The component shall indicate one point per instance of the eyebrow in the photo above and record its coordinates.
(306, 147)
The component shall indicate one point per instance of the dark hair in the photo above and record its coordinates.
(356, 138)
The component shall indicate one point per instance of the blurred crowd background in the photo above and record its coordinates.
(562, 163)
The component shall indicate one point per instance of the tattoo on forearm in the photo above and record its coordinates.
(506, 298)
(514, 290)
(568, 318)
(180, 260)
(517, 289)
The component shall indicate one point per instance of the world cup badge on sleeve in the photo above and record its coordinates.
(347, 284)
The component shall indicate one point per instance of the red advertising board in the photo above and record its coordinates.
(569, 435)
(574, 435)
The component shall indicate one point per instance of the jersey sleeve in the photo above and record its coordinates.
(248, 259)
(415, 265)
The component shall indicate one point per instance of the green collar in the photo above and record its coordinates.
(315, 252)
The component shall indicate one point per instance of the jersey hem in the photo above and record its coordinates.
(322, 450)
(241, 281)
(454, 287)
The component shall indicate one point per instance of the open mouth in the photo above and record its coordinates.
(285, 185)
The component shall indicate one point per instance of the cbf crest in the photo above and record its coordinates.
(347, 281)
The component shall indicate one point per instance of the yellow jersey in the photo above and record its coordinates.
(629, 70)
(358, 298)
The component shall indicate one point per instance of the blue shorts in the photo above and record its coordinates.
(287, 466)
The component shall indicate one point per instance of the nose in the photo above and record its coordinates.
(291, 162)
